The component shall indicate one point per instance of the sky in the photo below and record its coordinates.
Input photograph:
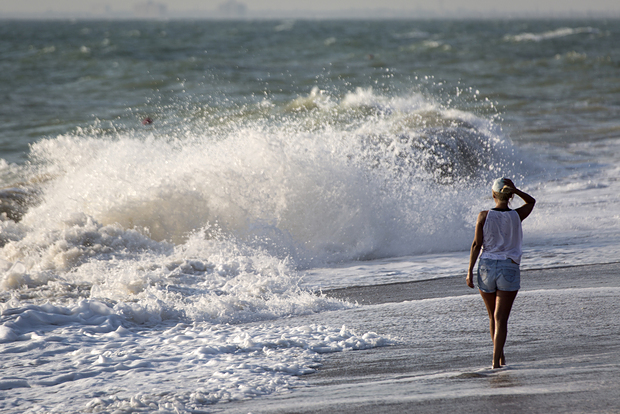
(305, 8)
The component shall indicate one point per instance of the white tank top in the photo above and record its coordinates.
(502, 236)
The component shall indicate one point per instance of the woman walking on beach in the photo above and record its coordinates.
(499, 236)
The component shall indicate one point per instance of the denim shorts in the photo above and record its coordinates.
(496, 275)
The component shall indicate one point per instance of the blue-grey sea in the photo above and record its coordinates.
(173, 192)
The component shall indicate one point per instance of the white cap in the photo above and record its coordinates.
(499, 184)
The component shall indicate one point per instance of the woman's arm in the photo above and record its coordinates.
(476, 246)
(527, 208)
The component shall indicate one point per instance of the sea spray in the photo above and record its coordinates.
(213, 226)
(338, 182)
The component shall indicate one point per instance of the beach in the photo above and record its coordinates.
(276, 216)
(563, 350)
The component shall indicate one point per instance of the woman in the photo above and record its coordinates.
(499, 235)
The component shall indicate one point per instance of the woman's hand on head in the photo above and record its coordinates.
(509, 185)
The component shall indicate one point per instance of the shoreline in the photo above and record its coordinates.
(563, 350)
(561, 277)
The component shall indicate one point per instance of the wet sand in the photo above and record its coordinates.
(563, 350)
(556, 278)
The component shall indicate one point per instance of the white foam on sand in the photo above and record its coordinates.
(81, 359)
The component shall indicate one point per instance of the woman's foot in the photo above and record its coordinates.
(500, 363)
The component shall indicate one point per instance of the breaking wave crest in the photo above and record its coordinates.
(213, 221)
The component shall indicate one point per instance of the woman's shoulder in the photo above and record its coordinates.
(482, 216)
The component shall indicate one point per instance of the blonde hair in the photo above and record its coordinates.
(502, 196)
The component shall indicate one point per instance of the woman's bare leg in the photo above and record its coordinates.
(503, 305)
(498, 306)
(489, 301)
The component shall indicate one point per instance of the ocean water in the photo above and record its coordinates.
(173, 192)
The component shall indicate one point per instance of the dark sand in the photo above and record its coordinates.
(563, 350)
(556, 278)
